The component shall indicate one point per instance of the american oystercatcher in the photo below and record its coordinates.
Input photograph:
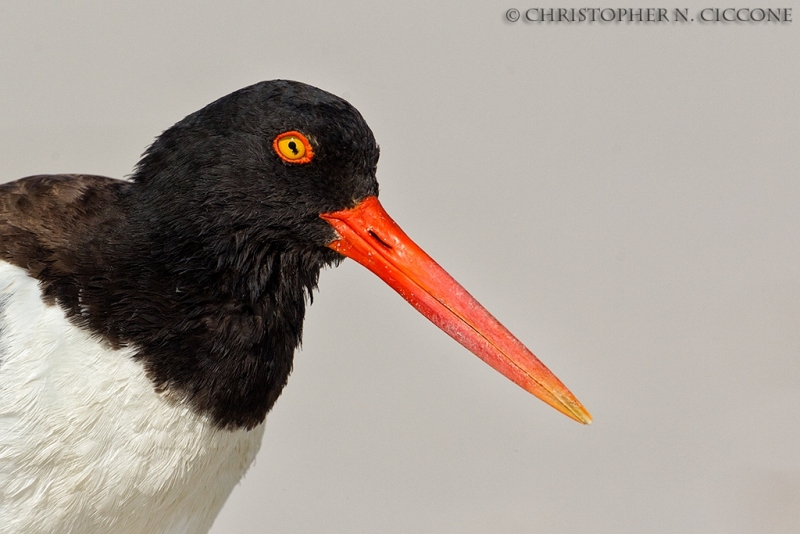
(148, 326)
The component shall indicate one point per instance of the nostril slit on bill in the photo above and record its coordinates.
(379, 240)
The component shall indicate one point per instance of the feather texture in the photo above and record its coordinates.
(86, 443)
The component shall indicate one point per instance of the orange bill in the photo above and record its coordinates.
(369, 236)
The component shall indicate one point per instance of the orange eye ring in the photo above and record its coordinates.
(293, 147)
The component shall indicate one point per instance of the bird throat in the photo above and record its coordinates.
(223, 338)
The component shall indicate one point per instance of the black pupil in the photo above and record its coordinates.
(293, 147)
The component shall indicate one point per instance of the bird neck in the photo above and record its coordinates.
(215, 316)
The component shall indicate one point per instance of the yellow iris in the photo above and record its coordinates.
(293, 147)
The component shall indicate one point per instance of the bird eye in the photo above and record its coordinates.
(293, 147)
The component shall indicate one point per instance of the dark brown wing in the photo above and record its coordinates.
(44, 219)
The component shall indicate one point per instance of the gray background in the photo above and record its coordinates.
(623, 197)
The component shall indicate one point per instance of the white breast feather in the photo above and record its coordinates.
(86, 444)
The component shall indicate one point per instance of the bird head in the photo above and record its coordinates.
(292, 166)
